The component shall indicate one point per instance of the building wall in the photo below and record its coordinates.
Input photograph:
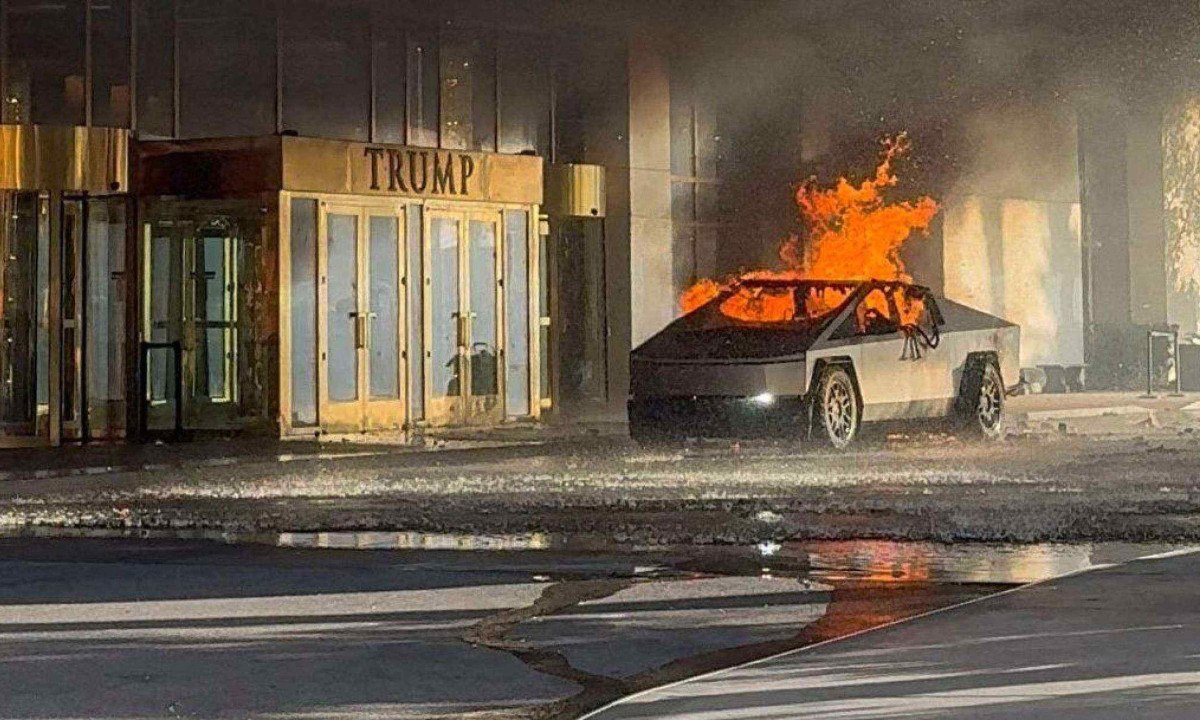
(1019, 259)
(652, 296)
(1011, 228)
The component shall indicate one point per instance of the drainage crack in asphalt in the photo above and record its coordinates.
(493, 632)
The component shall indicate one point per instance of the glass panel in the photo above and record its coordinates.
(41, 208)
(485, 377)
(226, 68)
(544, 294)
(468, 98)
(22, 291)
(443, 299)
(516, 313)
(304, 312)
(159, 312)
(326, 69)
(106, 317)
(215, 278)
(416, 313)
(110, 62)
(214, 316)
(389, 50)
(383, 296)
(343, 307)
(72, 229)
(524, 91)
(163, 400)
(155, 69)
(45, 66)
(422, 92)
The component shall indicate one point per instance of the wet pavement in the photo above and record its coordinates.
(127, 627)
(1056, 487)
(1115, 642)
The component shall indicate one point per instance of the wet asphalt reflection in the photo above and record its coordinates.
(560, 623)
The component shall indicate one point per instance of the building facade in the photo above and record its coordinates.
(305, 216)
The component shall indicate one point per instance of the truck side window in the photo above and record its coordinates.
(874, 315)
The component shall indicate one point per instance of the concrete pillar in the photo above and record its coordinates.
(1106, 222)
(1147, 231)
(652, 298)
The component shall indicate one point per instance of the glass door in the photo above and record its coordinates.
(462, 303)
(362, 322)
(200, 309)
(24, 317)
(93, 292)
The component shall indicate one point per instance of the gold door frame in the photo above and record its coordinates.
(440, 410)
(414, 289)
(464, 408)
(485, 409)
(363, 413)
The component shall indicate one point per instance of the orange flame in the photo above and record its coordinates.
(853, 234)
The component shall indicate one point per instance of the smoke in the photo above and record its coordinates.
(987, 90)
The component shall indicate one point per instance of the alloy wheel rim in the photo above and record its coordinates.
(839, 417)
(989, 403)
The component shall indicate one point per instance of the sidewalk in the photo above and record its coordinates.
(1082, 413)
(1104, 412)
(107, 458)
(1116, 643)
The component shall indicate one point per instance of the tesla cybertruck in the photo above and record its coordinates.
(821, 358)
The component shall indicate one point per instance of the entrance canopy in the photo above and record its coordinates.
(62, 158)
(222, 168)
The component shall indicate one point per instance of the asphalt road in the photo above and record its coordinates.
(186, 629)
(1109, 644)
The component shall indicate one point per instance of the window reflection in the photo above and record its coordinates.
(155, 69)
(44, 72)
(110, 62)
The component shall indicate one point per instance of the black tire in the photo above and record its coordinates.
(836, 420)
(981, 404)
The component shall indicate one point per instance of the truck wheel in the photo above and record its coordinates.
(836, 408)
(981, 407)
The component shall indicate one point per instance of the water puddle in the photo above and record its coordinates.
(834, 561)
(908, 562)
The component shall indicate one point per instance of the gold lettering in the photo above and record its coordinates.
(375, 154)
(412, 171)
(395, 171)
(466, 170)
(443, 175)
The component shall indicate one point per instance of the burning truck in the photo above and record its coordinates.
(840, 337)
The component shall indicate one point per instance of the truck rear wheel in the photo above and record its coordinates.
(981, 405)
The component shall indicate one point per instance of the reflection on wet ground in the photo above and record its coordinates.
(589, 622)
(908, 562)
(834, 561)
